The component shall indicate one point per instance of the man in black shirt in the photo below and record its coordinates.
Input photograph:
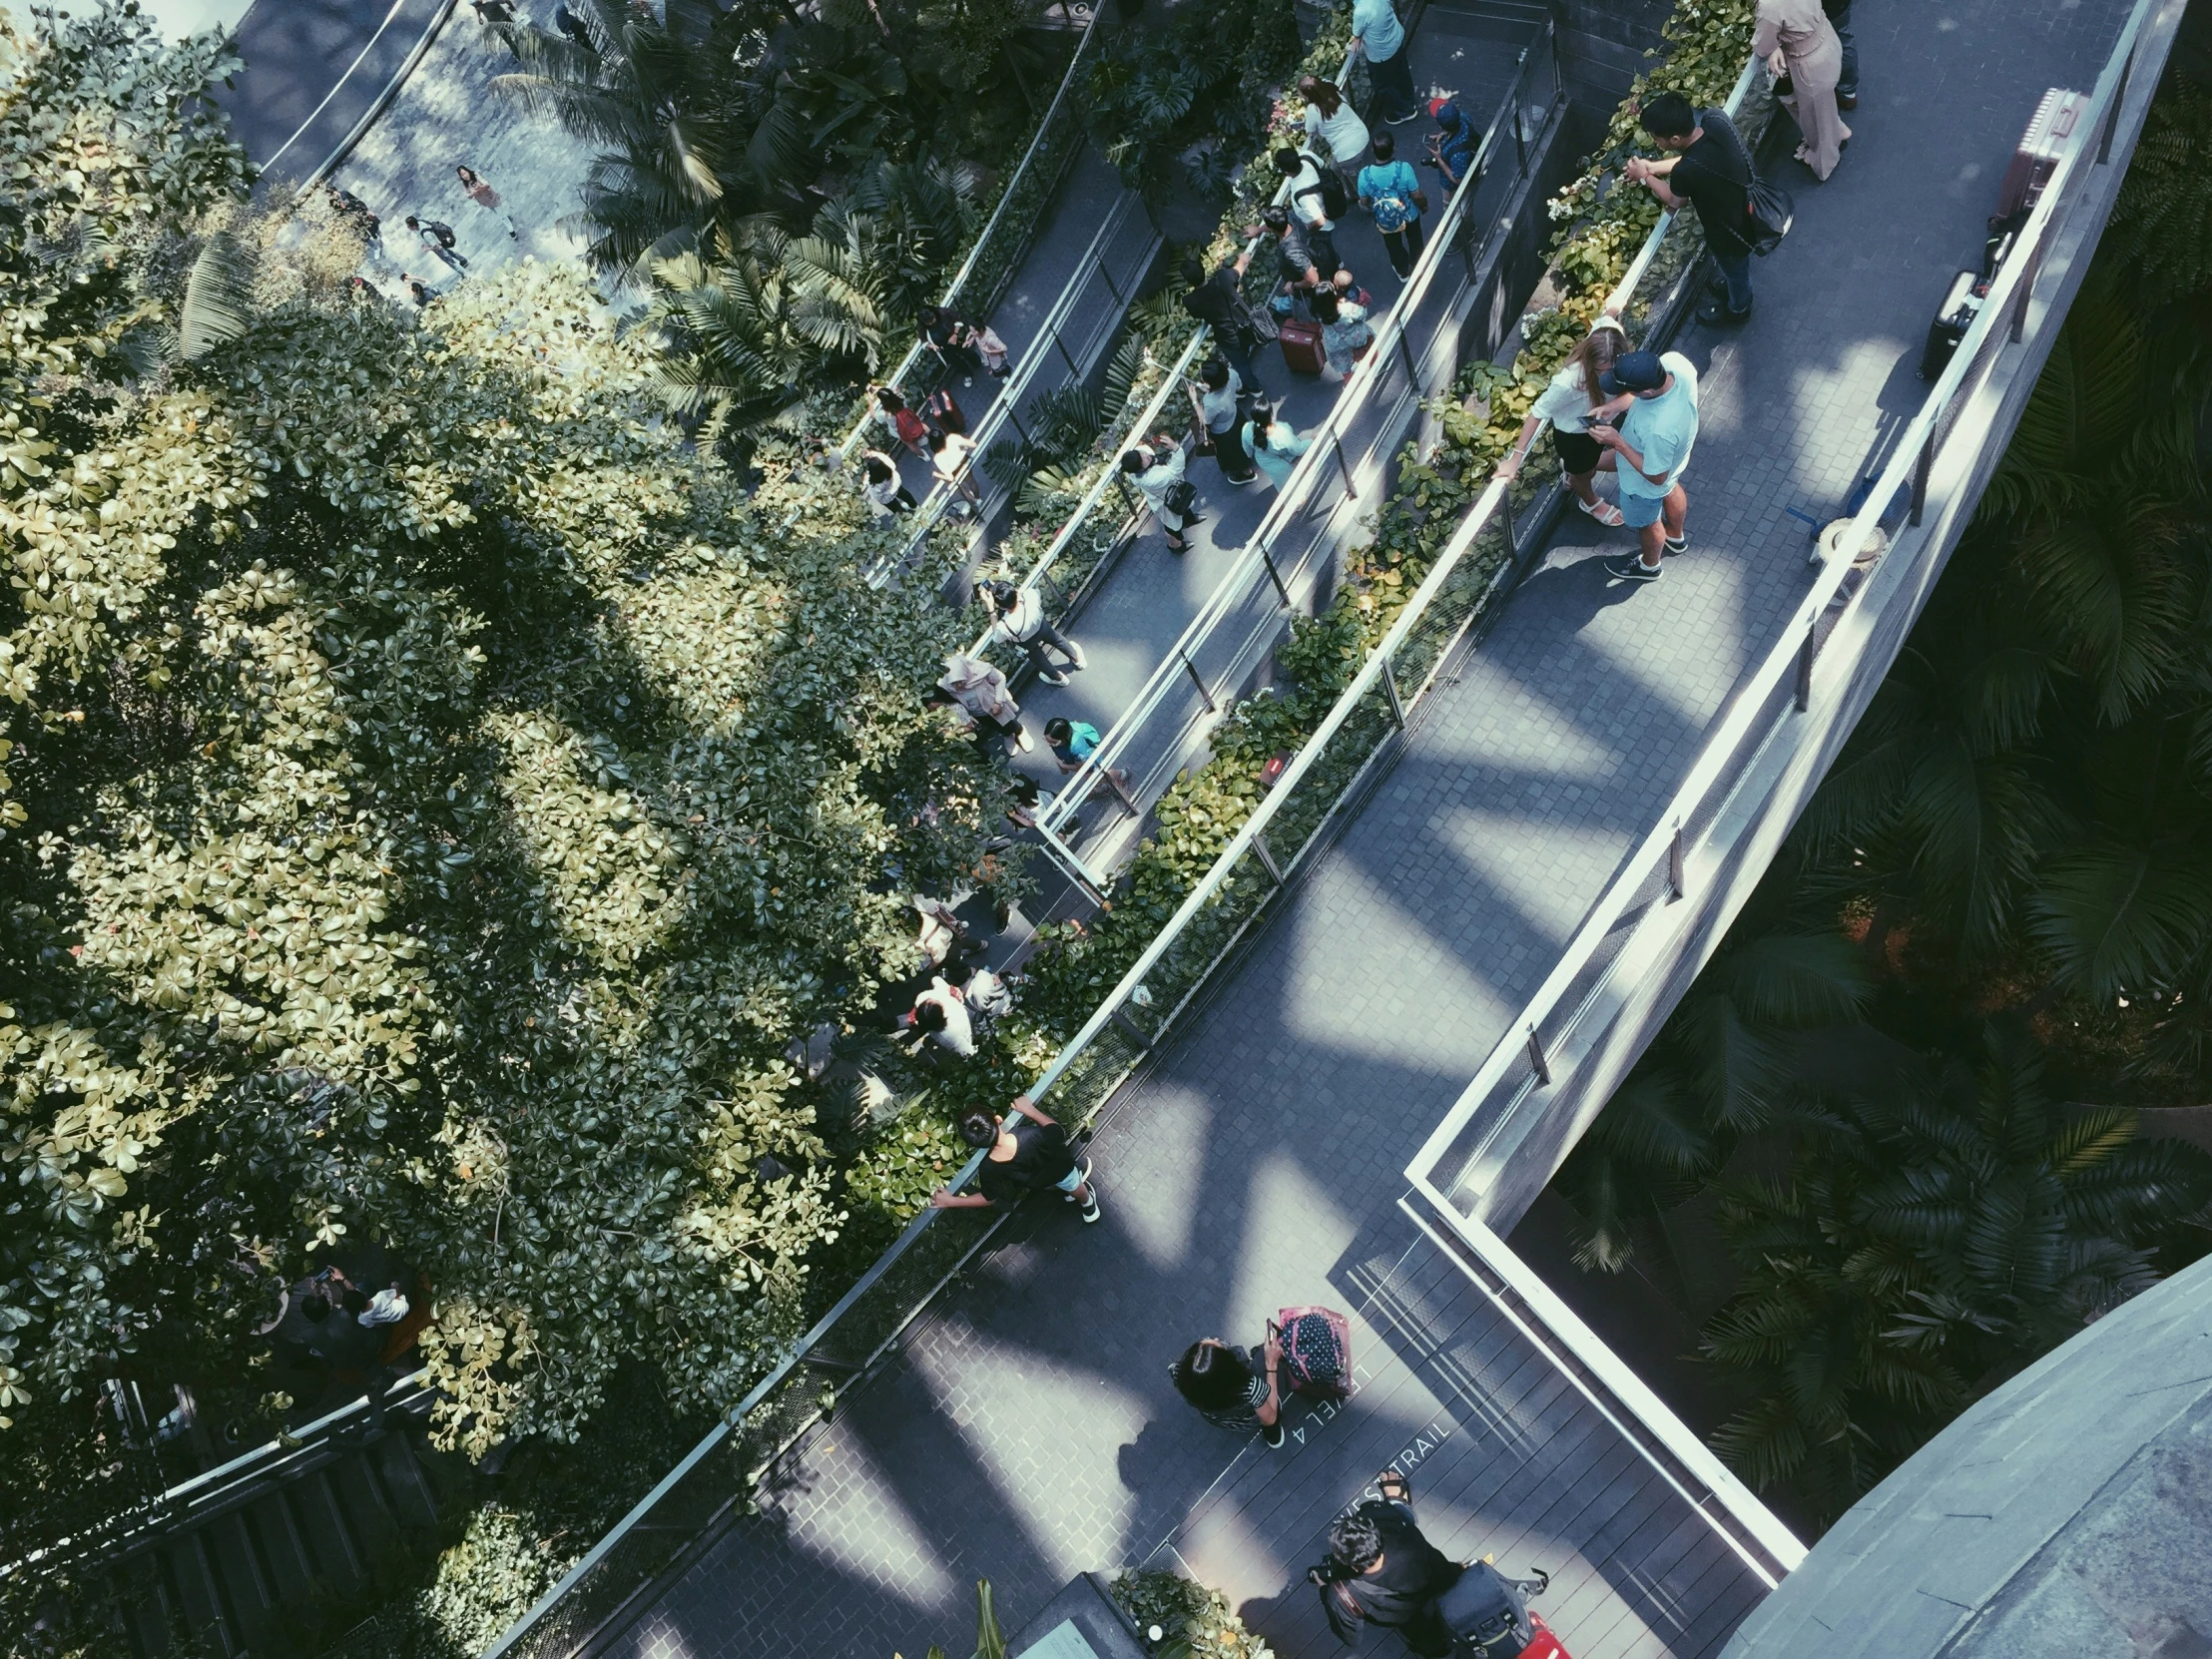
(1710, 171)
(1218, 301)
(1381, 1570)
(1294, 252)
(1026, 1158)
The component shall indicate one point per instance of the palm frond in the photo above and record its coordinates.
(217, 306)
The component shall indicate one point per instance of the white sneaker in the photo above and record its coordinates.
(1023, 739)
(1052, 677)
(1076, 657)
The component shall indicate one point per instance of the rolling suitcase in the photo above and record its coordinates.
(1301, 348)
(1960, 306)
(2040, 147)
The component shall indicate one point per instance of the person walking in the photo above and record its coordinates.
(1382, 1570)
(1155, 471)
(1451, 146)
(949, 457)
(900, 424)
(1333, 130)
(356, 212)
(1230, 1390)
(1710, 170)
(1654, 401)
(1391, 192)
(1378, 37)
(1030, 1157)
(438, 238)
(1847, 77)
(1073, 742)
(1217, 399)
(1806, 58)
(486, 197)
(1344, 332)
(1309, 206)
(1018, 619)
(1218, 300)
(882, 487)
(979, 689)
(1575, 392)
(998, 361)
(1274, 445)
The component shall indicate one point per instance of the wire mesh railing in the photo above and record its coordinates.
(1950, 433)
(1347, 469)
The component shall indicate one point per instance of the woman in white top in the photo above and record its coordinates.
(880, 485)
(941, 1012)
(1152, 471)
(1332, 127)
(1567, 404)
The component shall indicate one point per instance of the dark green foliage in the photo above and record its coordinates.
(1200, 84)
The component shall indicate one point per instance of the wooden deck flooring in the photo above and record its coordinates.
(1509, 1457)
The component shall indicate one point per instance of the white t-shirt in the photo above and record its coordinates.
(1306, 203)
(1566, 401)
(1220, 408)
(1342, 136)
(960, 1032)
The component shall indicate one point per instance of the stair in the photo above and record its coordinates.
(244, 1562)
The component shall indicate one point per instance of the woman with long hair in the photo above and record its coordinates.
(1228, 1389)
(1567, 404)
(1333, 130)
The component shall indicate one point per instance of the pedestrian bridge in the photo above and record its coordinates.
(1564, 796)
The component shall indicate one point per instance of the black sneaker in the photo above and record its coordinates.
(1673, 545)
(1716, 314)
(1273, 1435)
(1629, 567)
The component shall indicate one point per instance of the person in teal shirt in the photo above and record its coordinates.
(1390, 191)
(1379, 37)
(1274, 445)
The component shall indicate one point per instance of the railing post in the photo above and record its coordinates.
(1520, 137)
(2112, 121)
(1805, 666)
(1128, 800)
(1267, 858)
(1205, 695)
(1267, 557)
(1537, 1059)
(1060, 340)
(1343, 466)
(1130, 1030)
(1513, 539)
(1674, 862)
(1920, 471)
(1405, 349)
(1107, 278)
(1389, 690)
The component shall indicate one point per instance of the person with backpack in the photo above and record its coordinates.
(1382, 1570)
(1030, 1157)
(1333, 130)
(1318, 195)
(1018, 619)
(1155, 471)
(1391, 192)
(1230, 1391)
(899, 422)
(1710, 171)
(1218, 300)
(437, 237)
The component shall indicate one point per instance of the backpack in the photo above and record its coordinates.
(1485, 1613)
(1767, 215)
(1391, 211)
(1336, 195)
(1317, 1350)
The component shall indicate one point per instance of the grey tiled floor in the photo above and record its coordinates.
(1028, 1431)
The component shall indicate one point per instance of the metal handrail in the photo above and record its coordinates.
(1045, 126)
(1909, 470)
(1297, 492)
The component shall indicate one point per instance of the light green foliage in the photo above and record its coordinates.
(1195, 1622)
(438, 802)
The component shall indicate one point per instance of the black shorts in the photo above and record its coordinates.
(1578, 451)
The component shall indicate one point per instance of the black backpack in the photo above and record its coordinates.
(1336, 195)
(1487, 1613)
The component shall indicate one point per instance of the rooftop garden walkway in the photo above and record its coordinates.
(1029, 1431)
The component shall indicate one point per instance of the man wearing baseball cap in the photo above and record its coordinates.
(1652, 410)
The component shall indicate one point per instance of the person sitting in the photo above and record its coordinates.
(1228, 1390)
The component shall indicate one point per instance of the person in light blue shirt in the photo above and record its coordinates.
(1274, 445)
(1654, 401)
(1379, 37)
(1390, 191)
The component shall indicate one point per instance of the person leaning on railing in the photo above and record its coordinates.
(1218, 300)
(1029, 1156)
(1575, 394)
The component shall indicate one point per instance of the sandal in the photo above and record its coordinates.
(1394, 1487)
(1603, 511)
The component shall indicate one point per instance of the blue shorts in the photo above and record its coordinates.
(1637, 511)
(1073, 1179)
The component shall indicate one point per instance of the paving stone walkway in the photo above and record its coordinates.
(1029, 1431)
